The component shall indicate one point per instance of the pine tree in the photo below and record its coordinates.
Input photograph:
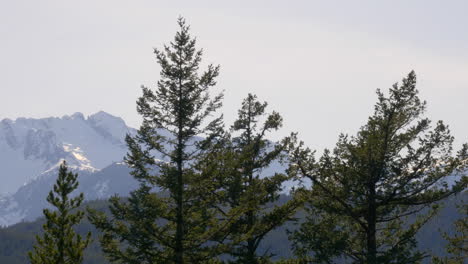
(253, 153)
(169, 218)
(59, 243)
(457, 243)
(364, 192)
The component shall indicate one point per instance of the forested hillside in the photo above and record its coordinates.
(17, 240)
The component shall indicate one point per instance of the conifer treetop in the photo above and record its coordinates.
(59, 243)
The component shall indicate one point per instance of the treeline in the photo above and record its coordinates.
(208, 199)
(18, 239)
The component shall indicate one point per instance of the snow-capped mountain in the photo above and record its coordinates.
(31, 151)
(31, 147)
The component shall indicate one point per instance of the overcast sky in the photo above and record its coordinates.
(316, 62)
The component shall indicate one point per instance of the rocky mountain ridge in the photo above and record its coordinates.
(30, 147)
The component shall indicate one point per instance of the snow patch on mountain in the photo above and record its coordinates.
(101, 189)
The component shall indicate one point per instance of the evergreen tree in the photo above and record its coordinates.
(253, 153)
(59, 243)
(364, 191)
(169, 219)
(458, 243)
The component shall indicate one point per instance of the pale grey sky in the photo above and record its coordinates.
(316, 62)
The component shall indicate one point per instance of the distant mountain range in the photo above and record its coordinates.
(32, 149)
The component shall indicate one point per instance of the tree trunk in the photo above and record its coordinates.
(179, 258)
(179, 250)
(371, 227)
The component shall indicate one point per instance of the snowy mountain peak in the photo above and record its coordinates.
(101, 115)
(78, 116)
(29, 146)
(109, 126)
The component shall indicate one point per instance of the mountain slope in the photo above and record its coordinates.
(27, 203)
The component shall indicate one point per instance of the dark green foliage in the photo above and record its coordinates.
(17, 240)
(60, 244)
(250, 153)
(364, 190)
(174, 227)
(458, 242)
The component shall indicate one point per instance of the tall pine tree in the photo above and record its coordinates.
(247, 190)
(364, 191)
(60, 244)
(169, 218)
